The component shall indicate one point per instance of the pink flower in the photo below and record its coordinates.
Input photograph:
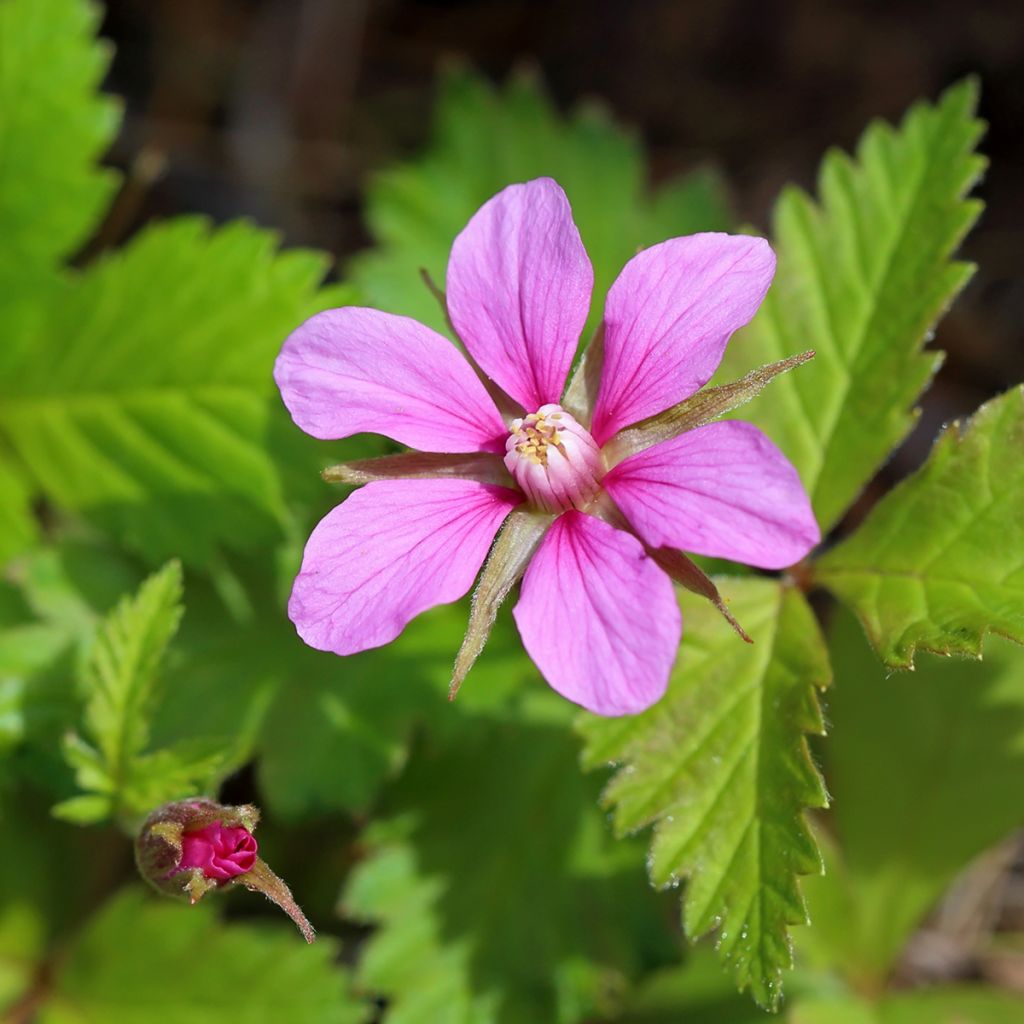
(593, 491)
(218, 851)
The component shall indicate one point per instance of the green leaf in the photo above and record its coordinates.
(54, 125)
(920, 767)
(56, 599)
(120, 673)
(18, 528)
(119, 677)
(862, 279)
(487, 138)
(146, 398)
(21, 947)
(84, 810)
(141, 961)
(342, 727)
(721, 768)
(939, 562)
(697, 991)
(951, 1004)
(504, 900)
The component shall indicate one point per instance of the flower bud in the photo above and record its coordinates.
(189, 847)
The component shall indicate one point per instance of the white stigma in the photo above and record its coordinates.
(554, 460)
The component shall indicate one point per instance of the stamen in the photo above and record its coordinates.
(554, 460)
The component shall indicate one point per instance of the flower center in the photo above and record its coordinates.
(554, 460)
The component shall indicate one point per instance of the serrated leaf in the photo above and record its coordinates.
(54, 126)
(120, 673)
(175, 772)
(141, 961)
(862, 279)
(487, 138)
(146, 398)
(720, 767)
(920, 767)
(939, 561)
(119, 677)
(503, 901)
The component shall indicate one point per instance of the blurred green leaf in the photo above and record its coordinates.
(141, 961)
(720, 767)
(146, 400)
(953, 1004)
(940, 560)
(920, 766)
(340, 727)
(56, 599)
(17, 526)
(54, 126)
(498, 893)
(862, 279)
(698, 991)
(486, 138)
(21, 948)
(51, 870)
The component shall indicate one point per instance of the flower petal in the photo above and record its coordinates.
(723, 490)
(387, 553)
(668, 318)
(518, 287)
(598, 617)
(354, 370)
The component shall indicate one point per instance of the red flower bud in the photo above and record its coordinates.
(192, 846)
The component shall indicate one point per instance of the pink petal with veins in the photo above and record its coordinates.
(723, 490)
(354, 370)
(668, 318)
(518, 287)
(598, 617)
(390, 551)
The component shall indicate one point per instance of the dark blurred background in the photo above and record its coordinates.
(279, 109)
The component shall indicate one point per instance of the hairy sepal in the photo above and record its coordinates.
(481, 466)
(697, 410)
(505, 565)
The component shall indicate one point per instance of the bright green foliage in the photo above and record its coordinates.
(920, 767)
(720, 767)
(940, 560)
(119, 679)
(487, 138)
(944, 1005)
(142, 961)
(158, 420)
(136, 395)
(503, 900)
(862, 278)
(54, 125)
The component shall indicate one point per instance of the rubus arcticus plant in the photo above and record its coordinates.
(457, 864)
(598, 490)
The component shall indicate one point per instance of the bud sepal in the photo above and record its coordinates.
(188, 848)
